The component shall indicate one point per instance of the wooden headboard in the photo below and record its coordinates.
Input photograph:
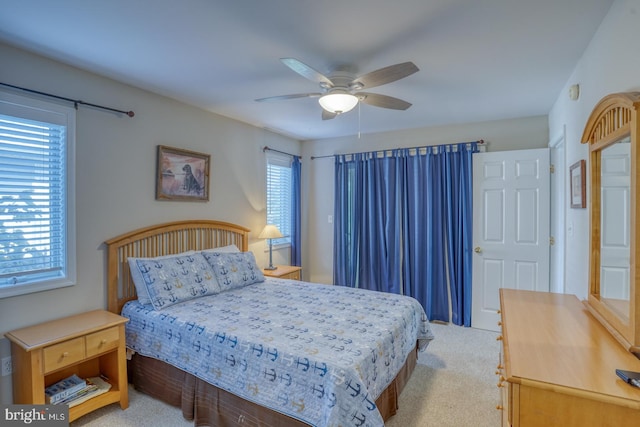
(163, 239)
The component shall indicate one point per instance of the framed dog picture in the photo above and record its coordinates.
(182, 175)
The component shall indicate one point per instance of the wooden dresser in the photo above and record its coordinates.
(558, 365)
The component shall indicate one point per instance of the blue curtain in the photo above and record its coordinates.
(379, 218)
(458, 213)
(367, 224)
(403, 225)
(424, 270)
(345, 233)
(296, 237)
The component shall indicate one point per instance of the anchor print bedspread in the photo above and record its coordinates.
(318, 353)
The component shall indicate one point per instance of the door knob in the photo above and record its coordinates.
(478, 250)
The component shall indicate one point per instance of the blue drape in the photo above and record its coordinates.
(379, 242)
(459, 219)
(345, 263)
(403, 225)
(424, 272)
(296, 237)
(367, 228)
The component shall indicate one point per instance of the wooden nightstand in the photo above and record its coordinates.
(89, 344)
(285, 272)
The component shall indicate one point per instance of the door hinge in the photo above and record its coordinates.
(552, 168)
(552, 241)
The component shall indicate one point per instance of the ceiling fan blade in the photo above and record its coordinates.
(306, 71)
(326, 115)
(292, 96)
(383, 101)
(386, 75)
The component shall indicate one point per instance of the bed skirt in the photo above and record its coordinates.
(208, 405)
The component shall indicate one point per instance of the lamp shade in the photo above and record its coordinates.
(270, 231)
(339, 102)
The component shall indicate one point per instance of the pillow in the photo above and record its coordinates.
(138, 280)
(228, 248)
(173, 279)
(234, 270)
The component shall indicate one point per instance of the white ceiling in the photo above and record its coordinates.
(479, 60)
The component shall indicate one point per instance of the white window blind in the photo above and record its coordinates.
(279, 195)
(36, 252)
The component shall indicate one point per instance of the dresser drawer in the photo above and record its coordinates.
(293, 276)
(63, 354)
(102, 341)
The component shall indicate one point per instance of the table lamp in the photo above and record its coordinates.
(270, 232)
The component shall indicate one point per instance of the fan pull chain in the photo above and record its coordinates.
(359, 120)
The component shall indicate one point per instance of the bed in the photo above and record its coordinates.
(256, 351)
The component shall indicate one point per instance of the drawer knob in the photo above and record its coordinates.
(499, 338)
(499, 407)
(103, 341)
(65, 354)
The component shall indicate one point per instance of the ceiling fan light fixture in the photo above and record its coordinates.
(338, 103)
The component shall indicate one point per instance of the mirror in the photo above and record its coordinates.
(612, 134)
(615, 251)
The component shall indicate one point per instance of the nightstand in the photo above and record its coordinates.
(285, 272)
(89, 345)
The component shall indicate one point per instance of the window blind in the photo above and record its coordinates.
(32, 201)
(279, 195)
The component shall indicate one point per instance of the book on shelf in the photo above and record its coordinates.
(89, 388)
(61, 390)
(95, 387)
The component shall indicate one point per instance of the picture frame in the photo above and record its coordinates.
(182, 174)
(578, 184)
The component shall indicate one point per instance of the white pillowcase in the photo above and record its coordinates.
(223, 249)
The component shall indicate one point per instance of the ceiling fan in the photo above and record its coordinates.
(342, 91)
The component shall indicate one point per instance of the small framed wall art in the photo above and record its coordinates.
(182, 175)
(578, 184)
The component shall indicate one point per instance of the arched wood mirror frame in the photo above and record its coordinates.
(614, 120)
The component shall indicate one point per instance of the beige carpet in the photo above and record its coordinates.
(453, 385)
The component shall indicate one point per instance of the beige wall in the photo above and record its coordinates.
(115, 169)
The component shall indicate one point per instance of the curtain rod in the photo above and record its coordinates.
(480, 141)
(266, 148)
(75, 102)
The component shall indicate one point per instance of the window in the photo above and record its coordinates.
(279, 195)
(37, 214)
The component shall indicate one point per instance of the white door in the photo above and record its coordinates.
(558, 206)
(510, 228)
